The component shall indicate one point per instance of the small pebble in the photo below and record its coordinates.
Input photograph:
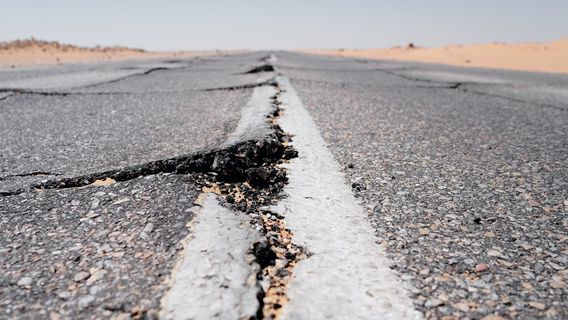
(80, 276)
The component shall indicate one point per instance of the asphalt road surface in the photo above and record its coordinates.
(418, 190)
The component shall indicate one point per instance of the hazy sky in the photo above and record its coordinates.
(255, 24)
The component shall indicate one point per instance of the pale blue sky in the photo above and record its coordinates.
(288, 24)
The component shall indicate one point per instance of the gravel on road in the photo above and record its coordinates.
(92, 252)
(468, 193)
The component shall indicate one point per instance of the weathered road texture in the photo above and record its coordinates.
(104, 251)
(77, 130)
(463, 172)
(92, 252)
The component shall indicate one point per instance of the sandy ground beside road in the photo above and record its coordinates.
(545, 57)
(21, 53)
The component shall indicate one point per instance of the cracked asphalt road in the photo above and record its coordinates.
(117, 123)
(467, 187)
(463, 173)
(104, 251)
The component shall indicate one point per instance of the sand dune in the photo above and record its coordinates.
(27, 52)
(545, 57)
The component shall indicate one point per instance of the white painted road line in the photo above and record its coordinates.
(252, 124)
(348, 276)
(215, 278)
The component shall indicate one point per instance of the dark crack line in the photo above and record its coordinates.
(81, 93)
(15, 91)
(269, 82)
(456, 85)
(460, 86)
(7, 96)
(325, 70)
(402, 76)
(530, 103)
(67, 93)
(367, 84)
(11, 193)
(267, 67)
(145, 73)
(29, 174)
(55, 93)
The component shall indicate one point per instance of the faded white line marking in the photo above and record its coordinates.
(252, 124)
(348, 276)
(215, 278)
(271, 58)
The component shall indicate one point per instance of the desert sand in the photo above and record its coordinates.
(20, 53)
(544, 57)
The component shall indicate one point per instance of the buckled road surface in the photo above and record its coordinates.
(278, 185)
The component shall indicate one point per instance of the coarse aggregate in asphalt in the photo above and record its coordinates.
(92, 252)
(468, 192)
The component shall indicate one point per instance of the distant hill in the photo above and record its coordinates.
(32, 51)
(32, 43)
